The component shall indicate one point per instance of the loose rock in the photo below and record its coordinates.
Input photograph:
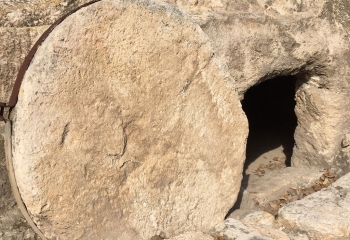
(259, 218)
(321, 215)
(232, 229)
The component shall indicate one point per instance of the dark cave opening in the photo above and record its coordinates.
(269, 107)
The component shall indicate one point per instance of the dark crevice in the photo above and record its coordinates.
(269, 107)
(64, 134)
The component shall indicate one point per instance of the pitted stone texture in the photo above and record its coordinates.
(232, 229)
(192, 236)
(321, 215)
(23, 13)
(127, 126)
(262, 190)
(15, 44)
(14, 227)
(263, 39)
(6, 198)
(259, 218)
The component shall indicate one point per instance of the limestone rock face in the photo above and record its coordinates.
(263, 39)
(21, 24)
(16, 43)
(321, 215)
(35, 12)
(127, 126)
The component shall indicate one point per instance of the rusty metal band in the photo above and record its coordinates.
(11, 104)
(13, 182)
(15, 90)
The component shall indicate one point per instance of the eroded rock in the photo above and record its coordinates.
(127, 126)
(17, 14)
(16, 43)
(192, 236)
(258, 192)
(232, 229)
(260, 40)
(13, 226)
(259, 218)
(321, 215)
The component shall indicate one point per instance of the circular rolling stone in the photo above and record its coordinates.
(127, 126)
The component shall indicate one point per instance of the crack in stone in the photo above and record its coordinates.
(64, 134)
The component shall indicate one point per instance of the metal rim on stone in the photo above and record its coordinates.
(8, 126)
(127, 126)
(13, 183)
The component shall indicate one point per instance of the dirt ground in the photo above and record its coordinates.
(268, 149)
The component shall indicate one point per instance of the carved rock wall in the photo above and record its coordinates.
(260, 40)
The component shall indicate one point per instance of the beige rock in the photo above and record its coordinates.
(343, 159)
(16, 43)
(35, 12)
(271, 186)
(5, 189)
(346, 141)
(258, 40)
(265, 224)
(127, 126)
(14, 226)
(192, 236)
(322, 215)
(298, 236)
(263, 39)
(232, 229)
(259, 218)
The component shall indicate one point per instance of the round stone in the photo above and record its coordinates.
(127, 126)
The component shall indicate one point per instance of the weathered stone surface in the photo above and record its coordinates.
(15, 44)
(260, 40)
(259, 218)
(262, 190)
(343, 159)
(322, 215)
(14, 227)
(12, 224)
(127, 126)
(192, 236)
(297, 236)
(35, 12)
(6, 199)
(232, 229)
